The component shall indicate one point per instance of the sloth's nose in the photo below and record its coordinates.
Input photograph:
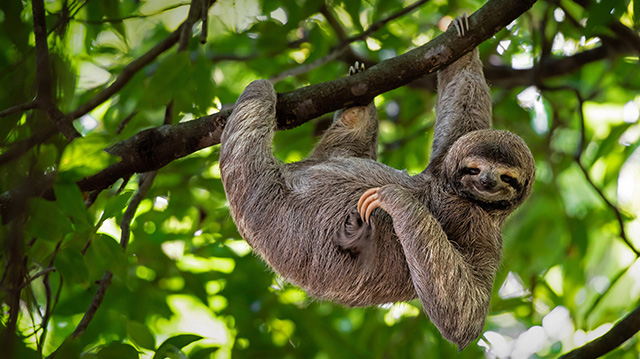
(488, 181)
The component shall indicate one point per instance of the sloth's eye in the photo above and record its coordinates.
(471, 171)
(507, 179)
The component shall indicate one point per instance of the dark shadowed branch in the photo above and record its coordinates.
(620, 333)
(43, 74)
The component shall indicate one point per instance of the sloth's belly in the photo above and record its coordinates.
(317, 201)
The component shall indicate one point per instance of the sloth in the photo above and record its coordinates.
(352, 230)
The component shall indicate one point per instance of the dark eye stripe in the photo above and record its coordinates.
(507, 179)
(471, 171)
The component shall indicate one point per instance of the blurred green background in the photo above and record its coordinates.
(562, 76)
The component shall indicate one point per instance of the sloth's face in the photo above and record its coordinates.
(489, 181)
(493, 168)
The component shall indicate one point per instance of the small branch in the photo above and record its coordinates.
(205, 21)
(38, 275)
(48, 308)
(137, 16)
(125, 121)
(624, 33)
(381, 23)
(333, 22)
(146, 180)
(19, 108)
(94, 305)
(616, 336)
(612, 283)
(19, 148)
(126, 74)
(15, 272)
(345, 42)
(43, 74)
(578, 159)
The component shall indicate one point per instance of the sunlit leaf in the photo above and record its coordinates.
(141, 335)
(116, 205)
(86, 156)
(171, 347)
(118, 350)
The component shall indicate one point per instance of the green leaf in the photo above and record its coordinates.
(47, 220)
(115, 206)
(111, 254)
(141, 335)
(69, 197)
(170, 79)
(85, 156)
(173, 345)
(112, 11)
(203, 353)
(118, 350)
(70, 264)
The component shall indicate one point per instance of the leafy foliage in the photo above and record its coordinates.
(188, 286)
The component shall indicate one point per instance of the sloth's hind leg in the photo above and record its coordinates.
(354, 131)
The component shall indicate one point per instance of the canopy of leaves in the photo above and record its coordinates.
(564, 76)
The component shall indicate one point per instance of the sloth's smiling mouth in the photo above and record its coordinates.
(492, 194)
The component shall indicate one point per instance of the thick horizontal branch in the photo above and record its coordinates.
(618, 334)
(154, 148)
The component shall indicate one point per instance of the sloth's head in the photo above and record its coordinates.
(492, 168)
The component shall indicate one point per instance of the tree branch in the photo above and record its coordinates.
(578, 159)
(345, 43)
(620, 333)
(43, 74)
(18, 108)
(154, 148)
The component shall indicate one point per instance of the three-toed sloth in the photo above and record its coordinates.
(436, 235)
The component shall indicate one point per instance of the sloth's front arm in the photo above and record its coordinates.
(452, 290)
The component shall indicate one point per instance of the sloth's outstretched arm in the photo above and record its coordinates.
(455, 294)
(251, 174)
(464, 100)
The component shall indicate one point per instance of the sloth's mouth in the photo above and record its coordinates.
(489, 194)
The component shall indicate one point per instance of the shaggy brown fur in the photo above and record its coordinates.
(438, 235)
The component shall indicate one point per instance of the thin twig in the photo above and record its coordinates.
(18, 108)
(136, 16)
(381, 23)
(94, 305)
(345, 42)
(48, 308)
(612, 283)
(618, 334)
(578, 159)
(125, 121)
(37, 275)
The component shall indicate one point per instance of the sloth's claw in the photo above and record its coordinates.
(461, 23)
(355, 68)
(368, 202)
